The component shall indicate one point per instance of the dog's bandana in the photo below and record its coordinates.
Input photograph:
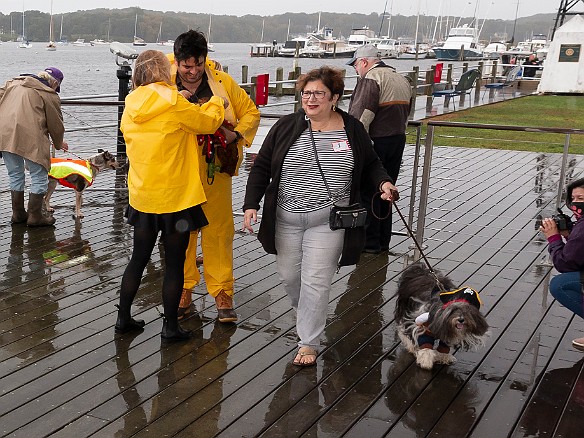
(61, 168)
(465, 293)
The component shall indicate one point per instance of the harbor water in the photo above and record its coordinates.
(92, 69)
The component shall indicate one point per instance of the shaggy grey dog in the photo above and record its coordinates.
(426, 313)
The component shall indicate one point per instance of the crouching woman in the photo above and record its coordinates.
(567, 252)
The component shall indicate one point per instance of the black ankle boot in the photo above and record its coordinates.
(125, 323)
(174, 335)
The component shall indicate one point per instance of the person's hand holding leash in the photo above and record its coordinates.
(389, 192)
(65, 146)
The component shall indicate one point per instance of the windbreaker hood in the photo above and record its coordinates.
(32, 81)
(149, 101)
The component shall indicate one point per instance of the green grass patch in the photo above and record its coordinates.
(532, 111)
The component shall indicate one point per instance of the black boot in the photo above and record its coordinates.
(18, 212)
(174, 334)
(125, 323)
(36, 216)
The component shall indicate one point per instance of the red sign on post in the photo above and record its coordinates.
(438, 73)
(262, 89)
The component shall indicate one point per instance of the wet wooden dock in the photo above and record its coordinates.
(64, 372)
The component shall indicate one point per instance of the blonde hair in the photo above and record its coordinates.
(53, 83)
(151, 66)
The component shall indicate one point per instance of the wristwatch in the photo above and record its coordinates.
(238, 137)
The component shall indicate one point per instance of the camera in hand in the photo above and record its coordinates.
(563, 221)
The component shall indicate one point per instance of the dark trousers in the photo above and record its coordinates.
(378, 232)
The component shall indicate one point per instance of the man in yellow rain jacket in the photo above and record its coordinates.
(198, 80)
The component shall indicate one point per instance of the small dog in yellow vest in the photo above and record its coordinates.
(77, 174)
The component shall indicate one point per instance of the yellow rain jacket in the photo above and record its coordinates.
(217, 237)
(159, 127)
(241, 112)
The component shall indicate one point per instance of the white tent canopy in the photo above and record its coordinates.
(563, 70)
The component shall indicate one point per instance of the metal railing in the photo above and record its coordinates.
(432, 126)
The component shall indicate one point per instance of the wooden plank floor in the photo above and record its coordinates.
(63, 371)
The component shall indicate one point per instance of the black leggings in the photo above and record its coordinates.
(175, 247)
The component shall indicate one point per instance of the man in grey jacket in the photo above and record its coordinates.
(30, 113)
(381, 101)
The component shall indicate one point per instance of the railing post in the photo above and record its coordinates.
(449, 75)
(430, 74)
(254, 88)
(344, 73)
(424, 190)
(479, 82)
(494, 71)
(415, 175)
(124, 74)
(244, 73)
(414, 80)
(463, 95)
(562, 180)
(279, 79)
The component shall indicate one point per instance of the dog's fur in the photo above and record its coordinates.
(103, 160)
(459, 324)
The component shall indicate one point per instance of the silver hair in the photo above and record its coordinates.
(53, 83)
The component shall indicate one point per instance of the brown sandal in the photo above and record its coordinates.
(304, 352)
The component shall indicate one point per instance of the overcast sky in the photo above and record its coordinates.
(504, 9)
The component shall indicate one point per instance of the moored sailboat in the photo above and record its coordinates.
(137, 40)
(51, 47)
(24, 44)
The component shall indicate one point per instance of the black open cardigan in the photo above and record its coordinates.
(264, 177)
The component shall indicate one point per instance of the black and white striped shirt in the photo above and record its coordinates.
(301, 186)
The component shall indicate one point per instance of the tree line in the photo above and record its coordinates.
(119, 25)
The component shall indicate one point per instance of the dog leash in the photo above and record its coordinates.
(411, 233)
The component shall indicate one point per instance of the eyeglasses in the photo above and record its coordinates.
(318, 94)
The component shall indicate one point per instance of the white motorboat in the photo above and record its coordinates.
(462, 44)
(360, 36)
(494, 50)
(387, 47)
(293, 47)
(80, 42)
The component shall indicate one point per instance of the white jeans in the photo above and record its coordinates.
(308, 254)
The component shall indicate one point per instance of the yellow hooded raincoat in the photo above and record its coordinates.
(159, 127)
(217, 237)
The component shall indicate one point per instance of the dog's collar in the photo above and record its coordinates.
(463, 294)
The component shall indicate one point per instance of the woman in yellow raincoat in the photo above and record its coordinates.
(165, 192)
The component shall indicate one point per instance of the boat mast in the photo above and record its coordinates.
(389, 19)
(417, 25)
(23, 36)
(135, 26)
(209, 30)
(61, 31)
(382, 18)
(51, 38)
(288, 33)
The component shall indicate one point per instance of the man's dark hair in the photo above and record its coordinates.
(191, 44)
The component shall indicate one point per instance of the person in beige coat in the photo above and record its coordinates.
(30, 113)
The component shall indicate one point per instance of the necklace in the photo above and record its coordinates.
(322, 127)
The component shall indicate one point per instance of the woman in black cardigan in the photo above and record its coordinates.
(294, 222)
